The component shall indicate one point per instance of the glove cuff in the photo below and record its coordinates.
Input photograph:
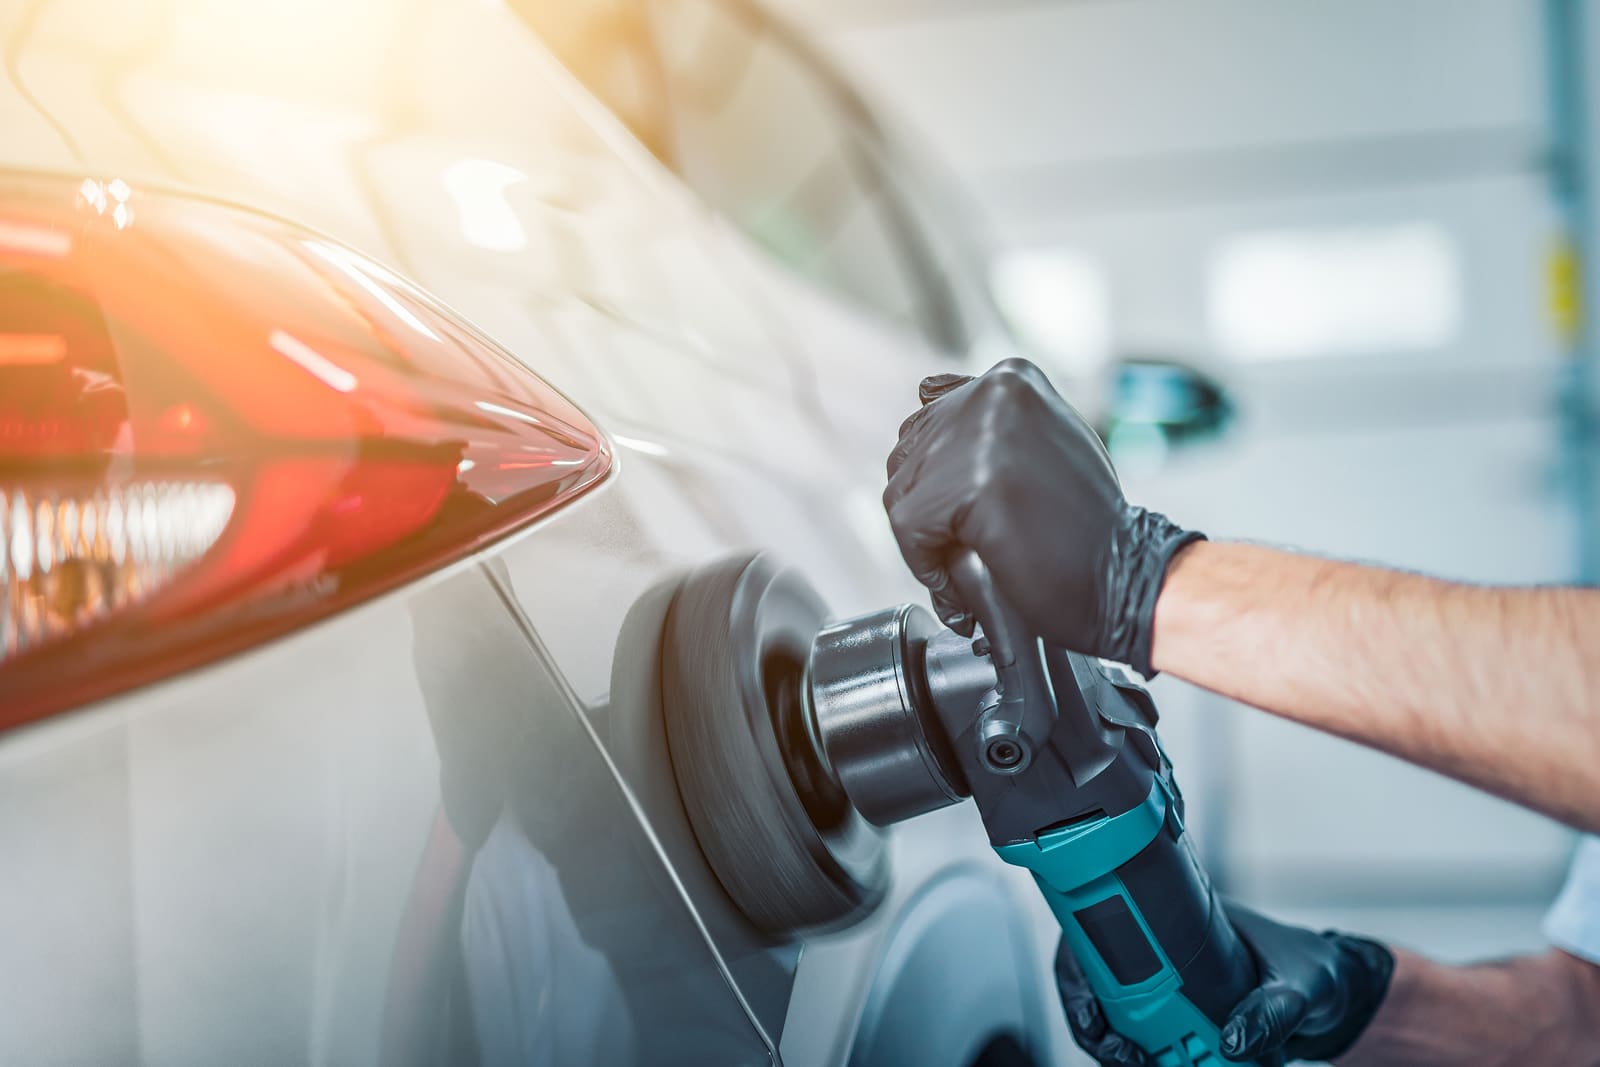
(1141, 551)
(1373, 963)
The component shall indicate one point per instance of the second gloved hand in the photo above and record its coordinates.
(1002, 465)
(1317, 994)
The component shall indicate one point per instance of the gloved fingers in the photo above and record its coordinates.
(905, 447)
(1253, 926)
(1263, 1022)
(932, 388)
(1085, 1019)
(1117, 1051)
(925, 546)
(911, 422)
(925, 515)
(951, 612)
(925, 518)
(936, 385)
(897, 459)
(1016, 370)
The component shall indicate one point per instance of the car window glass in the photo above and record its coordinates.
(765, 140)
(509, 194)
(607, 45)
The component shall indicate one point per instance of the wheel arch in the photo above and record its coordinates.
(956, 972)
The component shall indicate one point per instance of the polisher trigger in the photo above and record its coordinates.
(1022, 713)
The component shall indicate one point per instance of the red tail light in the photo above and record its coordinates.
(215, 427)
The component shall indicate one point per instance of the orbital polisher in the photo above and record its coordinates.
(796, 741)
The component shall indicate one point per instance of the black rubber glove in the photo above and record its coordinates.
(1002, 465)
(1317, 994)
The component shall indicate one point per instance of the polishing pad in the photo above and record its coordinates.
(773, 824)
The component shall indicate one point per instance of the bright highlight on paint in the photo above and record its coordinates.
(315, 363)
(478, 188)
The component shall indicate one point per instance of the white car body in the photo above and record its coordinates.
(243, 863)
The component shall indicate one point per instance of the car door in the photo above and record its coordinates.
(811, 220)
(358, 844)
(816, 224)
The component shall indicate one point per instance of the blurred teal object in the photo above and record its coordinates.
(1163, 403)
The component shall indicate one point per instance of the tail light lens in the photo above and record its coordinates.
(215, 426)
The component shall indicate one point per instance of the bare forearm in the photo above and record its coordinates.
(1497, 687)
(1537, 1009)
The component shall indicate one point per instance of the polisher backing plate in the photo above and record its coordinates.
(793, 857)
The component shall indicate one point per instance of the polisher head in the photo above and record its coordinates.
(772, 821)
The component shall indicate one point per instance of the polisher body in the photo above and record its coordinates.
(1119, 873)
(795, 743)
(1094, 814)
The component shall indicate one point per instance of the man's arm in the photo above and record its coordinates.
(1497, 687)
(1536, 1009)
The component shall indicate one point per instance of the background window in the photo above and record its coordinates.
(1345, 291)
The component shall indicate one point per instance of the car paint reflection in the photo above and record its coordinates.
(540, 926)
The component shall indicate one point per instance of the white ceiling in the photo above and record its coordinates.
(1054, 110)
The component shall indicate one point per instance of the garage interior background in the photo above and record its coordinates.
(1356, 216)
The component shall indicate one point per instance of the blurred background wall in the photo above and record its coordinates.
(1353, 214)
